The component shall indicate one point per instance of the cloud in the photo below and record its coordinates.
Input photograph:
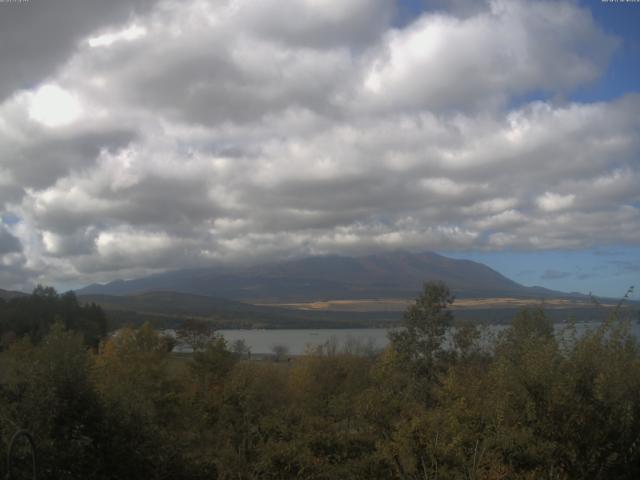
(625, 267)
(37, 36)
(585, 276)
(313, 23)
(554, 275)
(458, 8)
(8, 243)
(552, 202)
(53, 107)
(13, 269)
(511, 48)
(203, 132)
(237, 61)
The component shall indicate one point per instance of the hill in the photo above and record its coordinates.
(169, 309)
(386, 275)
(9, 294)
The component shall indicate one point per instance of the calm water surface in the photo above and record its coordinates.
(298, 340)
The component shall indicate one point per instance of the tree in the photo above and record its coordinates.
(280, 351)
(253, 436)
(212, 364)
(240, 348)
(196, 333)
(34, 315)
(465, 339)
(142, 405)
(425, 323)
(47, 390)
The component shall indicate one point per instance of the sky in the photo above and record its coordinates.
(142, 136)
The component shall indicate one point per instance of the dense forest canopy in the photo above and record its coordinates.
(528, 405)
(33, 315)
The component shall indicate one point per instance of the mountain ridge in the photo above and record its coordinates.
(397, 274)
(10, 294)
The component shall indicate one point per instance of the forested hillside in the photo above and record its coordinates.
(527, 405)
(33, 315)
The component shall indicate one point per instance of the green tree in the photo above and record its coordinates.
(212, 365)
(196, 333)
(47, 390)
(34, 315)
(253, 436)
(240, 348)
(142, 404)
(420, 340)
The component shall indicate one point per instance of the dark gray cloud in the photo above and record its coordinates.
(17, 277)
(8, 243)
(42, 161)
(326, 24)
(38, 36)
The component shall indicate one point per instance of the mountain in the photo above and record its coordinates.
(8, 294)
(396, 274)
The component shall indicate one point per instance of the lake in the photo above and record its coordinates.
(298, 340)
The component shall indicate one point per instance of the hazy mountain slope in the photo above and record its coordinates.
(8, 294)
(386, 275)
